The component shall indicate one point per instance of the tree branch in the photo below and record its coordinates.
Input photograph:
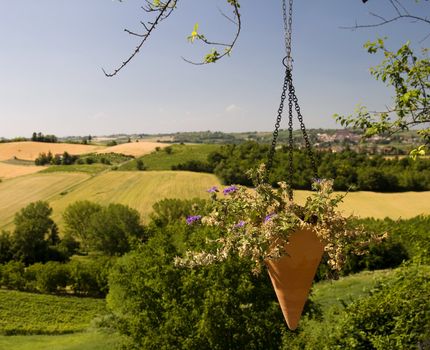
(164, 11)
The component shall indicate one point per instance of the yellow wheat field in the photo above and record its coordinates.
(135, 149)
(18, 192)
(8, 171)
(140, 190)
(29, 150)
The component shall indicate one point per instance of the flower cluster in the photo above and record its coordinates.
(256, 223)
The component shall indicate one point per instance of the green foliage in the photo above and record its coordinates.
(412, 234)
(194, 165)
(12, 275)
(48, 158)
(33, 225)
(218, 307)
(6, 252)
(114, 229)
(395, 316)
(111, 143)
(26, 313)
(171, 210)
(77, 218)
(89, 277)
(87, 340)
(47, 278)
(82, 277)
(140, 165)
(104, 158)
(81, 168)
(39, 137)
(350, 170)
(408, 73)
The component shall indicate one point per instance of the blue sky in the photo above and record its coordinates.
(52, 52)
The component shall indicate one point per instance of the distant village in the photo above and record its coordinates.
(339, 140)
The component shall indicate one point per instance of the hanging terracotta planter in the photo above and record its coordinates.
(292, 274)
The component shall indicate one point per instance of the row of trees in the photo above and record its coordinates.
(91, 158)
(350, 170)
(48, 158)
(39, 137)
(89, 227)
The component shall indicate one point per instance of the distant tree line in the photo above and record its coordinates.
(350, 170)
(58, 159)
(33, 257)
(39, 137)
(91, 158)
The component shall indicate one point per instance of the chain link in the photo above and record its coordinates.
(292, 100)
(292, 93)
(288, 28)
(277, 124)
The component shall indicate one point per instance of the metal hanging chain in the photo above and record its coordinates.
(292, 99)
(292, 95)
(287, 62)
(288, 28)
(277, 124)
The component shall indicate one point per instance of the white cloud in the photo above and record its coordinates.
(232, 108)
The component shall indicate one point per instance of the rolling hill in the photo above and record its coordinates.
(140, 190)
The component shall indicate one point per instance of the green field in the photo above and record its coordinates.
(51, 322)
(77, 168)
(77, 341)
(28, 313)
(347, 289)
(161, 160)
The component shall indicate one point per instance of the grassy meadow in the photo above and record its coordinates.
(28, 313)
(39, 322)
(90, 340)
(162, 160)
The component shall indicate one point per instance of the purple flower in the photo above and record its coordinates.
(229, 189)
(193, 218)
(213, 189)
(268, 217)
(241, 223)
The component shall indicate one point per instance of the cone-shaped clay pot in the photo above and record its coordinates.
(292, 275)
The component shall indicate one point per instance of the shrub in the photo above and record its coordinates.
(12, 275)
(51, 277)
(395, 316)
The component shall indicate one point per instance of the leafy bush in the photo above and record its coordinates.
(395, 316)
(47, 278)
(194, 165)
(172, 210)
(223, 306)
(90, 277)
(12, 275)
